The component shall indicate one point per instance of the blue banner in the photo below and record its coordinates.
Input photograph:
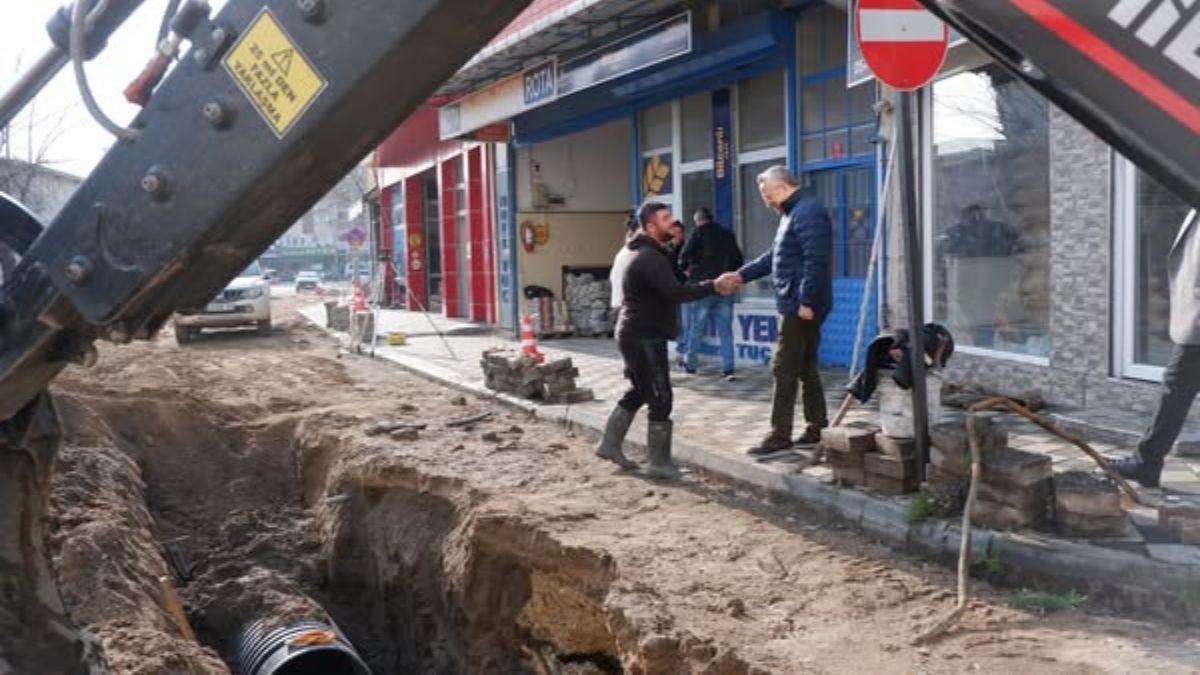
(662, 41)
(722, 133)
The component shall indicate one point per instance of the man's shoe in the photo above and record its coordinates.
(729, 376)
(771, 444)
(809, 439)
(1132, 468)
(615, 430)
(658, 447)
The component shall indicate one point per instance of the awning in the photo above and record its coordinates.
(554, 28)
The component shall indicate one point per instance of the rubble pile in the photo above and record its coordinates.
(1015, 488)
(587, 300)
(521, 375)
(337, 316)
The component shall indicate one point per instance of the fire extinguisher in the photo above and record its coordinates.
(528, 236)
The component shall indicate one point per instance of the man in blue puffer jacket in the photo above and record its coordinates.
(799, 264)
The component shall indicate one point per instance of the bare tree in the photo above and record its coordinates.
(27, 144)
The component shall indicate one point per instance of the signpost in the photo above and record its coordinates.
(903, 43)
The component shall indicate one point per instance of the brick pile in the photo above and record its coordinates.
(1016, 487)
(1086, 505)
(846, 448)
(520, 375)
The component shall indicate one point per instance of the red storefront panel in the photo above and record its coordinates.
(480, 240)
(414, 228)
(447, 183)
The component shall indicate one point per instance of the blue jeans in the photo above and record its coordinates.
(685, 322)
(721, 310)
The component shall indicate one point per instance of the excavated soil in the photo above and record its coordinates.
(239, 470)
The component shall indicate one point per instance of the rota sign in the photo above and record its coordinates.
(902, 42)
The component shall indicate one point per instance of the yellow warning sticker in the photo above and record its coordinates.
(274, 74)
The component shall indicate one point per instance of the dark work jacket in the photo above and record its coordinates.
(652, 293)
(710, 252)
(799, 259)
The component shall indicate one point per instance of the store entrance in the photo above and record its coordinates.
(433, 242)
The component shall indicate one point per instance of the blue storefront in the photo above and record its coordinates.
(695, 114)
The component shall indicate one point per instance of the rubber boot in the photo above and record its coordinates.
(658, 443)
(614, 437)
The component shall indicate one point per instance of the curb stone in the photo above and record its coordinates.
(1120, 580)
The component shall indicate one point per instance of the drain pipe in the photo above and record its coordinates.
(302, 648)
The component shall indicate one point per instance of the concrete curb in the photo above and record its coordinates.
(1112, 578)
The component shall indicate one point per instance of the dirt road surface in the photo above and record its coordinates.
(239, 468)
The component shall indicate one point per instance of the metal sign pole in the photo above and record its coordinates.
(916, 297)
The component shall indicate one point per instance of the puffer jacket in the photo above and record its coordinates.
(799, 259)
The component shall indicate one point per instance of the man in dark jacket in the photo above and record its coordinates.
(710, 252)
(652, 294)
(799, 263)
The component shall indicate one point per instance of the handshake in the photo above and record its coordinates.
(728, 283)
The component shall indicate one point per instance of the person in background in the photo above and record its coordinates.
(616, 275)
(1181, 380)
(799, 264)
(674, 250)
(710, 252)
(648, 320)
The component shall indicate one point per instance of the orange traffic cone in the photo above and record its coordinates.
(360, 300)
(528, 341)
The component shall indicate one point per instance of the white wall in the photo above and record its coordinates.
(589, 170)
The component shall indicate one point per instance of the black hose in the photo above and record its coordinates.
(284, 651)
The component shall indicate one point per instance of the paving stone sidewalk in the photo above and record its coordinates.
(728, 417)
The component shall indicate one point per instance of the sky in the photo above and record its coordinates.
(81, 143)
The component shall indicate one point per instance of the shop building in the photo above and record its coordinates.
(1044, 250)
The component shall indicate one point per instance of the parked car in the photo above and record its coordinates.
(246, 301)
(308, 281)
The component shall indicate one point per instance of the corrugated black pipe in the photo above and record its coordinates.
(269, 652)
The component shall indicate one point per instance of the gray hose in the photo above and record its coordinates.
(81, 22)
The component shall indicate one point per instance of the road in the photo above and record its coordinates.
(502, 546)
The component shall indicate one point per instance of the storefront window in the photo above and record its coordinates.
(836, 123)
(696, 120)
(758, 222)
(761, 117)
(697, 193)
(991, 212)
(656, 128)
(1158, 215)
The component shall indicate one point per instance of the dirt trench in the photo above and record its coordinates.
(254, 518)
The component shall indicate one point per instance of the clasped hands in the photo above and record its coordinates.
(728, 283)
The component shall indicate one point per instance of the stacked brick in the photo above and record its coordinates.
(1016, 487)
(1086, 505)
(860, 457)
(522, 376)
(1181, 520)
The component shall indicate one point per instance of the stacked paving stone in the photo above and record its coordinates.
(1015, 488)
(892, 469)
(1086, 505)
(520, 375)
(846, 448)
(337, 316)
(1181, 520)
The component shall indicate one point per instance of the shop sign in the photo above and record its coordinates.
(722, 116)
(656, 176)
(755, 333)
(662, 41)
(416, 254)
(529, 89)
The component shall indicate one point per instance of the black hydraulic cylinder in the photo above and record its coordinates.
(59, 26)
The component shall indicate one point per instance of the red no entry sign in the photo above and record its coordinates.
(902, 42)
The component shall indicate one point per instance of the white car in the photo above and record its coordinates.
(308, 281)
(246, 301)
